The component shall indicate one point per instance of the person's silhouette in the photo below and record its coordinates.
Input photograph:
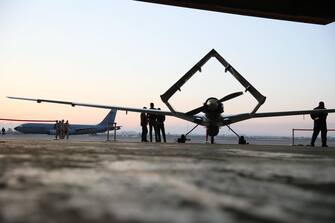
(67, 129)
(320, 124)
(152, 122)
(144, 124)
(160, 126)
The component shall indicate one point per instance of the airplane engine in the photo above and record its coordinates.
(213, 104)
(213, 108)
(72, 132)
(52, 132)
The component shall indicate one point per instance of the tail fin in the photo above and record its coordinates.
(109, 119)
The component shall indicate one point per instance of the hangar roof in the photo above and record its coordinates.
(311, 11)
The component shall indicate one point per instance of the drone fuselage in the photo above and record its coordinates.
(213, 110)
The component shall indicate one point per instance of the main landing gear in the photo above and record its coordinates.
(241, 139)
(183, 138)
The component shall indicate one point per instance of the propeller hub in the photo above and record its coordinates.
(212, 104)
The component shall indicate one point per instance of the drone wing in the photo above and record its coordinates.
(73, 104)
(240, 117)
(290, 113)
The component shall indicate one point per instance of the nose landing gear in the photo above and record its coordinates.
(212, 131)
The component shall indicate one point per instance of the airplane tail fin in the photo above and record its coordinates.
(110, 118)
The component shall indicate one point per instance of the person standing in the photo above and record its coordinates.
(320, 124)
(157, 130)
(62, 129)
(3, 131)
(56, 127)
(144, 124)
(160, 126)
(66, 129)
(152, 123)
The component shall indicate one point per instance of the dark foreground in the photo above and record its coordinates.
(51, 181)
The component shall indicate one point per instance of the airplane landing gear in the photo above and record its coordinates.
(183, 138)
(241, 139)
(212, 131)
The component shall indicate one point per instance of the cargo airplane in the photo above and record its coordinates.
(211, 113)
(75, 129)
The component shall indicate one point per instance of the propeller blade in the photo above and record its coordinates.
(231, 96)
(195, 111)
(225, 98)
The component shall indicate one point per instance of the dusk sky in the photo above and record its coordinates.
(128, 53)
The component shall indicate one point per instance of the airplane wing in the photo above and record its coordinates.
(73, 104)
(85, 129)
(91, 129)
(240, 117)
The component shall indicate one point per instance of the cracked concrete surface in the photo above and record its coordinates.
(52, 181)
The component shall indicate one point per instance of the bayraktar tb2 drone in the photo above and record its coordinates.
(213, 109)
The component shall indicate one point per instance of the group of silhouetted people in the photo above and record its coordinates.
(156, 125)
(62, 129)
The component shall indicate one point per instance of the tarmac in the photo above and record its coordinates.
(72, 181)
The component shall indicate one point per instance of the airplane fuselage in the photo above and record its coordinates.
(38, 128)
